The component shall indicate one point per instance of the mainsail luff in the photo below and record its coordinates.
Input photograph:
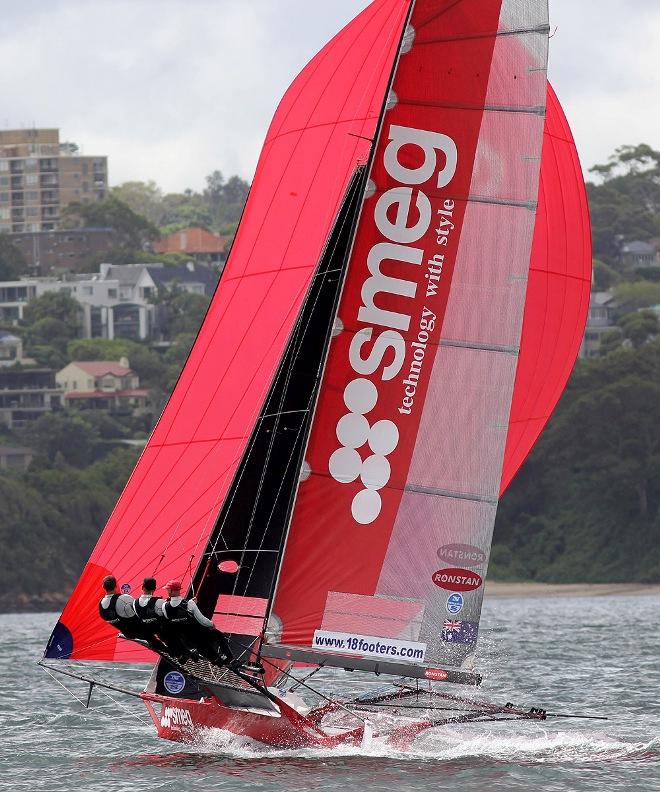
(363, 566)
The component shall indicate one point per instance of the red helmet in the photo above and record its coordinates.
(173, 585)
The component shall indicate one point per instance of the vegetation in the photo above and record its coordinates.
(12, 261)
(586, 505)
(218, 207)
(51, 518)
(625, 202)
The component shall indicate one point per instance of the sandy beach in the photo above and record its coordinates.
(501, 589)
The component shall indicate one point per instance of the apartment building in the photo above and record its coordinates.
(39, 176)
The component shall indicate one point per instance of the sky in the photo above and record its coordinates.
(171, 90)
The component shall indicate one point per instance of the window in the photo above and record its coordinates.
(4, 197)
(32, 196)
(4, 213)
(87, 290)
(31, 179)
(32, 211)
(4, 165)
(112, 294)
(4, 181)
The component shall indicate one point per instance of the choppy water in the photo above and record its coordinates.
(585, 655)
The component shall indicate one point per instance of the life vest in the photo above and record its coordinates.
(147, 613)
(177, 614)
(110, 613)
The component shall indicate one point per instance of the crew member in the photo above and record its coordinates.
(117, 609)
(196, 631)
(149, 611)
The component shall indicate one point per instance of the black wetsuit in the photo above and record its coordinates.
(151, 623)
(209, 642)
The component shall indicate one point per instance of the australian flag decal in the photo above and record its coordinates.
(464, 632)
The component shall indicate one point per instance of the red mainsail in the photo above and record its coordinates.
(391, 529)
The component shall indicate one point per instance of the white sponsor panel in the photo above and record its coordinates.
(373, 645)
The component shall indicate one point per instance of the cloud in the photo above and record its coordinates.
(172, 90)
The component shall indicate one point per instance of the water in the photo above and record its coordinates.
(589, 655)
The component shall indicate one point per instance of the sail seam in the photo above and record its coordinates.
(509, 350)
(540, 29)
(537, 110)
(441, 493)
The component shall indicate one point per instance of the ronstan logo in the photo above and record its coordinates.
(435, 673)
(462, 554)
(454, 579)
(402, 216)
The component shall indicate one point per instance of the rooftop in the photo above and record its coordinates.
(98, 368)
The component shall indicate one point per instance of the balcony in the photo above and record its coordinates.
(50, 197)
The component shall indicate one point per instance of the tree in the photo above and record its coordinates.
(55, 434)
(185, 311)
(143, 198)
(54, 305)
(640, 327)
(133, 231)
(50, 322)
(631, 296)
(12, 261)
(625, 204)
(605, 277)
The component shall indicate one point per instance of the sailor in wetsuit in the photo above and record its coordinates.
(149, 611)
(117, 609)
(196, 631)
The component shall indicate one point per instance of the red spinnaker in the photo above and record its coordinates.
(557, 293)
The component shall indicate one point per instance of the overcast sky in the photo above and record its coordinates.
(171, 90)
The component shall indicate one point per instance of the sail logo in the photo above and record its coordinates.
(353, 432)
(462, 554)
(402, 216)
(437, 674)
(176, 718)
(455, 579)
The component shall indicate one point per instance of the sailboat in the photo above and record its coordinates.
(399, 314)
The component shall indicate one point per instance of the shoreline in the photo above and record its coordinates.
(501, 589)
(494, 589)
